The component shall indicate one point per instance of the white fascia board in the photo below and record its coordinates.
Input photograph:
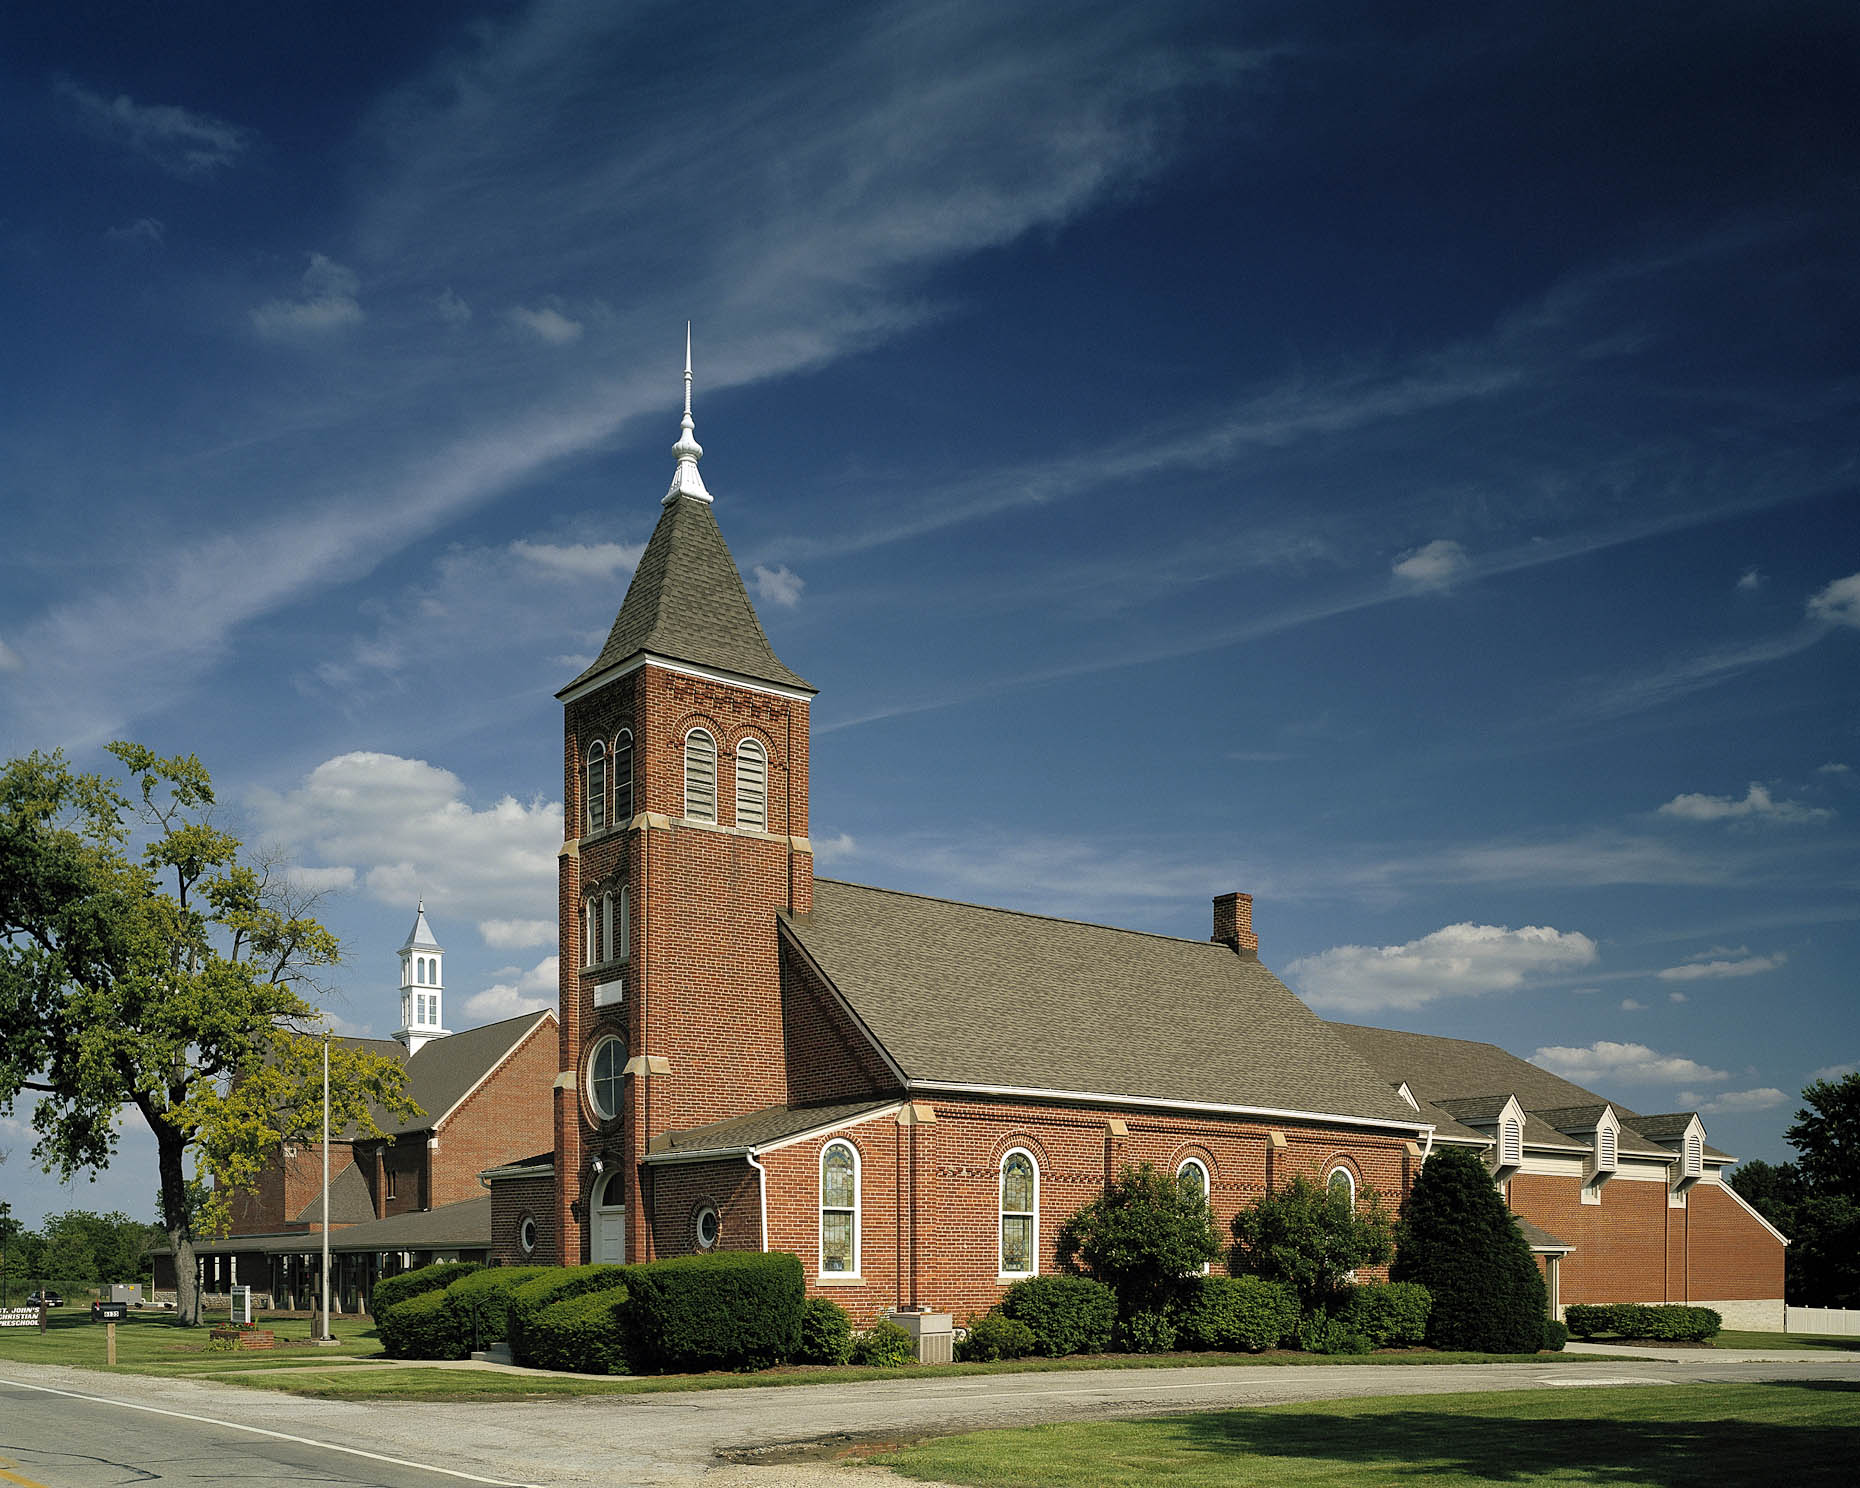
(794, 942)
(1750, 1209)
(683, 668)
(715, 1153)
(546, 1015)
(1101, 1098)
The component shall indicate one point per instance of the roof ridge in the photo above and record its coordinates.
(1025, 914)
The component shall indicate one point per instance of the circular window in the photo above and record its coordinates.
(709, 1227)
(526, 1235)
(604, 1076)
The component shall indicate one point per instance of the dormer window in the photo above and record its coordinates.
(597, 786)
(700, 776)
(752, 785)
(623, 778)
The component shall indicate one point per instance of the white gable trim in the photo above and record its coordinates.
(1748, 1208)
(793, 941)
(1146, 1102)
(503, 1059)
(756, 1149)
(683, 668)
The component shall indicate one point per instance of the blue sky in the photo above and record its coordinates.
(1397, 463)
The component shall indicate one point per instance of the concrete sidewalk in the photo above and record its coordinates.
(1675, 1355)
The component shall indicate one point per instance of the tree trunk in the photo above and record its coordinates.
(177, 1218)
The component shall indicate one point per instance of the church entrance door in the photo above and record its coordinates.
(610, 1222)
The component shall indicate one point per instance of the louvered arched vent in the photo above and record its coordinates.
(1511, 1143)
(1606, 1145)
(700, 776)
(752, 785)
(1695, 1155)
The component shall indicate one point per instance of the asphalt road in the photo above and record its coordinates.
(91, 1432)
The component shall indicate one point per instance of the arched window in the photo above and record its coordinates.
(623, 778)
(597, 786)
(604, 1077)
(1193, 1175)
(1020, 1214)
(607, 927)
(422, 972)
(1341, 1183)
(700, 776)
(590, 935)
(620, 932)
(752, 785)
(839, 1210)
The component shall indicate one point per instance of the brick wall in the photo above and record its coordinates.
(506, 1118)
(514, 1200)
(1729, 1253)
(678, 1191)
(826, 1055)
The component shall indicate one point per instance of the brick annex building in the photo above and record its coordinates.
(913, 1094)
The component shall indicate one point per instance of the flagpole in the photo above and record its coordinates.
(325, 1333)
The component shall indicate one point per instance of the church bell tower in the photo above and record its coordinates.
(421, 986)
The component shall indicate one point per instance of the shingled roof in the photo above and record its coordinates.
(687, 603)
(960, 995)
(445, 1069)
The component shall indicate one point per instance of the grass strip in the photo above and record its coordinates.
(1668, 1436)
(1735, 1339)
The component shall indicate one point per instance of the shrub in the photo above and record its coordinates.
(420, 1328)
(393, 1289)
(884, 1346)
(1320, 1333)
(1068, 1314)
(1458, 1240)
(1555, 1335)
(585, 1333)
(1311, 1236)
(1667, 1323)
(478, 1305)
(1143, 1237)
(1236, 1312)
(826, 1333)
(555, 1284)
(992, 1337)
(1147, 1333)
(732, 1309)
(1393, 1315)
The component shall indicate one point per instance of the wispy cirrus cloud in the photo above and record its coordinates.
(1723, 965)
(326, 303)
(1756, 804)
(183, 142)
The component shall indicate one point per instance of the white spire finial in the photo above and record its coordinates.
(685, 479)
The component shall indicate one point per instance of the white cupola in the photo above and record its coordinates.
(421, 985)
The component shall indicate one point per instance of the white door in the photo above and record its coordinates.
(610, 1224)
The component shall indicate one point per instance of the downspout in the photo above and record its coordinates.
(1428, 1150)
(762, 1184)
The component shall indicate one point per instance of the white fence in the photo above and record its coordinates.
(1844, 1320)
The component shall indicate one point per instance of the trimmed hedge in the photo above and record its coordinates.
(1068, 1314)
(395, 1289)
(826, 1333)
(555, 1284)
(732, 1309)
(1235, 1312)
(585, 1333)
(479, 1305)
(420, 1328)
(884, 1346)
(993, 1337)
(1392, 1315)
(1555, 1335)
(1664, 1323)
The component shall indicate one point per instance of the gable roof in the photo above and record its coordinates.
(687, 603)
(1459, 1076)
(445, 1070)
(350, 1202)
(962, 996)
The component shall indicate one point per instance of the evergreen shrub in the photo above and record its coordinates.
(1231, 1313)
(1149, 1332)
(1320, 1333)
(1662, 1323)
(1392, 1315)
(555, 1284)
(884, 1345)
(1068, 1314)
(393, 1289)
(826, 1333)
(731, 1309)
(583, 1334)
(420, 1328)
(1457, 1239)
(1555, 1335)
(479, 1305)
(992, 1337)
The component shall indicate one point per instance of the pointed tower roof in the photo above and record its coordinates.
(687, 601)
(420, 937)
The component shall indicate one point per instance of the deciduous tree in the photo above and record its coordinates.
(1141, 1237)
(1312, 1236)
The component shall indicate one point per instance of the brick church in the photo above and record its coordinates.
(912, 1094)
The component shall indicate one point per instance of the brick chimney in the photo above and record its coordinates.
(1233, 925)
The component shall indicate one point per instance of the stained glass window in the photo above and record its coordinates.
(1019, 1214)
(839, 1210)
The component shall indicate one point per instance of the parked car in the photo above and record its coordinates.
(44, 1299)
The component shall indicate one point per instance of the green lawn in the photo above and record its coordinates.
(153, 1343)
(1670, 1436)
(1731, 1339)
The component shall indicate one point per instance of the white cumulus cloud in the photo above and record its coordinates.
(1633, 1064)
(530, 992)
(408, 832)
(181, 141)
(323, 880)
(1737, 964)
(1455, 961)
(547, 324)
(1834, 1071)
(581, 560)
(1838, 604)
(1435, 566)
(1750, 580)
(516, 935)
(327, 303)
(1763, 1098)
(1629, 1005)
(1757, 804)
(779, 585)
